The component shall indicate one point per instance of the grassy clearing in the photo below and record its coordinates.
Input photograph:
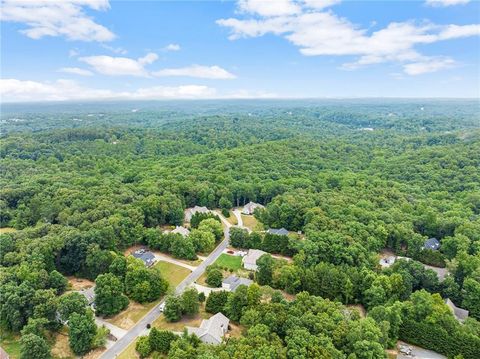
(129, 352)
(61, 348)
(11, 344)
(228, 261)
(194, 321)
(252, 223)
(79, 283)
(173, 273)
(7, 230)
(130, 316)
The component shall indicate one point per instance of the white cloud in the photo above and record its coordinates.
(13, 90)
(428, 65)
(115, 50)
(269, 7)
(172, 47)
(320, 33)
(320, 4)
(444, 3)
(73, 53)
(114, 66)
(75, 71)
(57, 18)
(205, 72)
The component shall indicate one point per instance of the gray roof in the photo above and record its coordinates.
(147, 257)
(89, 294)
(182, 230)
(278, 232)
(252, 256)
(431, 243)
(235, 282)
(459, 313)
(215, 328)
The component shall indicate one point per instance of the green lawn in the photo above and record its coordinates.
(11, 344)
(173, 273)
(228, 261)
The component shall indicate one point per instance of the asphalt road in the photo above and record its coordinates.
(121, 344)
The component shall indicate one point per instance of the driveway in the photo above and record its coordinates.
(161, 257)
(206, 290)
(419, 353)
(121, 344)
(238, 215)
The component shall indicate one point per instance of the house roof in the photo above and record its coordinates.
(251, 206)
(3, 354)
(88, 293)
(431, 243)
(145, 256)
(235, 282)
(278, 232)
(252, 256)
(182, 230)
(189, 212)
(459, 313)
(215, 327)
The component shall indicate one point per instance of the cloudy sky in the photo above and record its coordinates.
(100, 49)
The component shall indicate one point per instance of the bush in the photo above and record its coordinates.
(433, 258)
(143, 346)
(214, 277)
(33, 347)
(173, 309)
(216, 301)
(201, 297)
(160, 340)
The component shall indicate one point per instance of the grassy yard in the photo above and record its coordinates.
(173, 273)
(252, 223)
(61, 346)
(129, 352)
(11, 344)
(228, 261)
(195, 321)
(134, 312)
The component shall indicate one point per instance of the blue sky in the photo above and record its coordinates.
(96, 49)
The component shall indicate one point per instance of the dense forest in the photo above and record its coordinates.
(82, 182)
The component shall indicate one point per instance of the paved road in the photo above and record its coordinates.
(121, 344)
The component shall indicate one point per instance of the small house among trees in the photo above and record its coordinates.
(250, 260)
(212, 330)
(432, 244)
(189, 212)
(250, 207)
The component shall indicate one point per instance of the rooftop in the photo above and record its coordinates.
(278, 232)
(215, 328)
(253, 255)
(235, 282)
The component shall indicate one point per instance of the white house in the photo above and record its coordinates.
(212, 330)
(250, 207)
(233, 282)
(182, 230)
(189, 212)
(250, 260)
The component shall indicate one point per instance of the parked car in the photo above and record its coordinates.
(161, 308)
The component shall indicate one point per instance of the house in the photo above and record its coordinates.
(147, 257)
(181, 230)
(233, 282)
(212, 330)
(278, 232)
(189, 212)
(250, 207)
(89, 294)
(387, 261)
(432, 244)
(250, 260)
(459, 313)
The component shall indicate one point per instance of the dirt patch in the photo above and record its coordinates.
(79, 283)
(132, 249)
(94, 354)
(235, 330)
(61, 348)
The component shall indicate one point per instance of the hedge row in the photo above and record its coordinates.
(432, 337)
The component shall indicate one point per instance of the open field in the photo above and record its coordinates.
(252, 223)
(228, 261)
(173, 273)
(79, 283)
(134, 312)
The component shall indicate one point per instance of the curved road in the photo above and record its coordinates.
(121, 344)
